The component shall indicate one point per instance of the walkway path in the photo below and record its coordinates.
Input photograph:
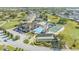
(19, 43)
(3, 23)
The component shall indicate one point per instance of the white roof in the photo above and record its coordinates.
(45, 38)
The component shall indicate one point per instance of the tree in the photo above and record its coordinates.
(11, 35)
(62, 21)
(66, 14)
(13, 15)
(4, 31)
(45, 18)
(8, 34)
(32, 40)
(16, 38)
(23, 14)
(54, 14)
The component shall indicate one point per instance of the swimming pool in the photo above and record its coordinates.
(38, 30)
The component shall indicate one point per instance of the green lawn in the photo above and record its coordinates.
(1, 22)
(10, 48)
(53, 19)
(75, 33)
(72, 30)
(1, 47)
(10, 24)
(70, 34)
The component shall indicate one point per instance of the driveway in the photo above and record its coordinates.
(20, 44)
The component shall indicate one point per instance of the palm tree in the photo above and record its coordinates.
(32, 40)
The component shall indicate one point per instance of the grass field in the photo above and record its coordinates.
(11, 24)
(10, 48)
(1, 22)
(75, 33)
(72, 30)
(70, 34)
(53, 19)
(1, 47)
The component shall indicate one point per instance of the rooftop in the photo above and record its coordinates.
(45, 37)
(55, 28)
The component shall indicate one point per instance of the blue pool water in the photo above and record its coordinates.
(38, 30)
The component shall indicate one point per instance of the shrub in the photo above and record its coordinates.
(26, 41)
(16, 38)
(41, 43)
(19, 49)
(4, 31)
(11, 36)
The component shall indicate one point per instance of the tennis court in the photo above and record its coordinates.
(55, 28)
